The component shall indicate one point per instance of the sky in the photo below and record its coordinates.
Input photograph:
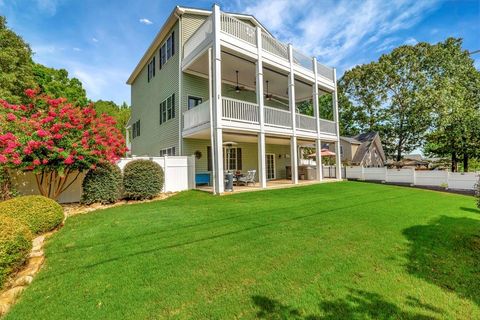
(101, 41)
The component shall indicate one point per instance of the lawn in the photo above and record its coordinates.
(331, 251)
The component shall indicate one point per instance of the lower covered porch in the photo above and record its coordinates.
(240, 157)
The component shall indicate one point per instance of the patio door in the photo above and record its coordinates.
(270, 165)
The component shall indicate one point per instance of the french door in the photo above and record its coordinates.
(270, 165)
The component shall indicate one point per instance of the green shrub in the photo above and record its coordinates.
(39, 213)
(102, 184)
(142, 179)
(15, 244)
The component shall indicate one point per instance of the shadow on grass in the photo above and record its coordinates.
(470, 210)
(358, 304)
(447, 253)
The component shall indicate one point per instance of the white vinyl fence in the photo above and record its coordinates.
(179, 175)
(451, 180)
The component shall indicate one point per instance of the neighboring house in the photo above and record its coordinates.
(419, 162)
(364, 149)
(219, 86)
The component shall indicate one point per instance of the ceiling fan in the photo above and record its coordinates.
(268, 96)
(237, 88)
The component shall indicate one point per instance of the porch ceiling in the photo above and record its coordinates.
(277, 82)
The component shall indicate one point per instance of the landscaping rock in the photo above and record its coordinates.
(33, 266)
(4, 306)
(38, 243)
(38, 253)
(12, 293)
(23, 281)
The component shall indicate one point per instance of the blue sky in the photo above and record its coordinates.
(100, 42)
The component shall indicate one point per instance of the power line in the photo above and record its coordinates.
(473, 52)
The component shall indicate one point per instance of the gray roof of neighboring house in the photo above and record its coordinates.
(364, 140)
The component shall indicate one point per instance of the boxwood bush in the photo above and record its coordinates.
(102, 184)
(142, 179)
(39, 213)
(15, 244)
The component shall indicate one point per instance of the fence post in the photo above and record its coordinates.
(362, 175)
(165, 170)
(448, 179)
(386, 175)
(414, 174)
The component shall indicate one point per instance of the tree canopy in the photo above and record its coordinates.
(121, 113)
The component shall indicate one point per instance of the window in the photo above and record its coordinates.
(167, 152)
(232, 159)
(167, 109)
(167, 49)
(151, 69)
(136, 129)
(193, 102)
(341, 151)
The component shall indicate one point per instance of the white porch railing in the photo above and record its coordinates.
(277, 117)
(274, 46)
(325, 71)
(202, 34)
(239, 110)
(196, 116)
(327, 126)
(302, 60)
(306, 122)
(238, 28)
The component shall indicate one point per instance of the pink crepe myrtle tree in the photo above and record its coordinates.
(56, 140)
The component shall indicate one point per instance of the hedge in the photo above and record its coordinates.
(39, 213)
(477, 192)
(15, 244)
(102, 184)
(142, 179)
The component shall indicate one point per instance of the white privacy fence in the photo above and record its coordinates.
(451, 180)
(179, 175)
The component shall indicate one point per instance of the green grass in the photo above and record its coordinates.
(346, 250)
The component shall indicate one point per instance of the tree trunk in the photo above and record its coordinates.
(399, 153)
(454, 161)
(465, 162)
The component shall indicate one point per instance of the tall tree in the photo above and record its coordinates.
(391, 96)
(56, 83)
(15, 65)
(121, 113)
(456, 98)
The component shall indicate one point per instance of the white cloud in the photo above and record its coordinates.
(48, 6)
(94, 39)
(77, 49)
(335, 30)
(411, 41)
(145, 21)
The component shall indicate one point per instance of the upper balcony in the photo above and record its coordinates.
(241, 37)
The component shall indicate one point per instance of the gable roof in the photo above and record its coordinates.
(170, 22)
(366, 140)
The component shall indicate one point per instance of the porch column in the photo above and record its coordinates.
(316, 113)
(217, 141)
(335, 118)
(293, 111)
(262, 174)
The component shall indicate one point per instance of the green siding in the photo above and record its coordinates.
(249, 155)
(190, 23)
(146, 98)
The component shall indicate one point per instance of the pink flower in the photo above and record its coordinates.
(69, 159)
(17, 161)
(42, 133)
(11, 117)
(3, 159)
(36, 162)
(44, 161)
(30, 93)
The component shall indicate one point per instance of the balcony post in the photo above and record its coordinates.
(216, 125)
(262, 174)
(293, 111)
(316, 113)
(337, 129)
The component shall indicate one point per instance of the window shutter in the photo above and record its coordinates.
(138, 128)
(173, 151)
(209, 158)
(160, 109)
(153, 68)
(239, 158)
(134, 130)
(173, 105)
(160, 62)
(173, 43)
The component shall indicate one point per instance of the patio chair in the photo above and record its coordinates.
(249, 178)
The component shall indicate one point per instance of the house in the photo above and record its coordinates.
(364, 149)
(219, 86)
